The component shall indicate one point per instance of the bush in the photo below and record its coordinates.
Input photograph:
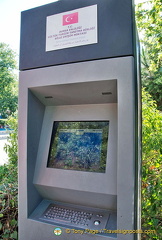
(9, 187)
(151, 167)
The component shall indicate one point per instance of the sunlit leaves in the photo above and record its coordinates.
(149, 23)
(151, 167)
(8, 82)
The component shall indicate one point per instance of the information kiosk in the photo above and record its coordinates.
(79, 122)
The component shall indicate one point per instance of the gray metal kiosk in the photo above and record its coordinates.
(79, 122)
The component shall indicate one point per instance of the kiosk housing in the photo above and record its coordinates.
(79, 121)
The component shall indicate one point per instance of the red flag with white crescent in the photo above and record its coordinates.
(70, 18)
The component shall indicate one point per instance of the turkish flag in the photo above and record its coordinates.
(70, 18)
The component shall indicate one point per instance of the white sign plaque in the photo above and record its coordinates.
(71, 29)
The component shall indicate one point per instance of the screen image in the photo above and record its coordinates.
(79, 146)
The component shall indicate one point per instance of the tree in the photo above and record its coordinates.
(148, 16)
(151, 167)
(8, 83)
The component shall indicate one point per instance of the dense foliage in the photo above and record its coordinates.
(151, 167)
(8, 83)
(149, 23)
(148, 16)
(9, 187)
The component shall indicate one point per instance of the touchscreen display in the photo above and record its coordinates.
(79, 146)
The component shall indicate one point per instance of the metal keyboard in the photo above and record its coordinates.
(90, 218)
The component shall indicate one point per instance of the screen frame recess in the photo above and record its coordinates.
(53, 178)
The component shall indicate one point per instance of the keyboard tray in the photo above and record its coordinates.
(86, 218)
